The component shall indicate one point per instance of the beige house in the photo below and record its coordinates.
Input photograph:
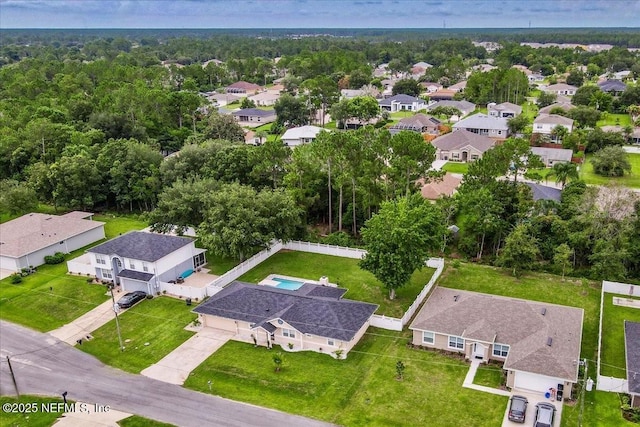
(461, 146)
(311, 318)
(561, 89)
(538, 342)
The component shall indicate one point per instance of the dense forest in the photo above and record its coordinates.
(87, 119)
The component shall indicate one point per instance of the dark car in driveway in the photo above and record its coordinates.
(517, 408)
(130, 298)
(544, 415)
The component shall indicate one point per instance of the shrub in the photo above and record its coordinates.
(57, 258)
(16, 278)
(339, 238)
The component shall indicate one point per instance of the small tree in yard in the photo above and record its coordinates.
(398, 239)
(520, 250)
(278, 361)
(400, 370)
(562, 258)
(611, 161)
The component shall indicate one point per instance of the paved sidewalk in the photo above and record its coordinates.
(87, 323)
(438, 164)
(176, 366)
(85, 414)
(468, 381)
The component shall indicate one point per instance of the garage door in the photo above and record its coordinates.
(133, 285)
(7, 263)
(535, 382)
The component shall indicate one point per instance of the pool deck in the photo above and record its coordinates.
(268, 281)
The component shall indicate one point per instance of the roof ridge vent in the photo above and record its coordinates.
(543, 310)
(549, 341)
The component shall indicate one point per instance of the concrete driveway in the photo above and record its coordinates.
(533, 398)
(84, 414)
(176, 366)
(87, 323)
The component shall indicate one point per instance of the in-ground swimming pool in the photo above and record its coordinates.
(292, 285)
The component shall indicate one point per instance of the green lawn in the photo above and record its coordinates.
(456, 167)
(601, 409)
(631, 180)
(536, 287)
(48, 209)
(489, 376)
(359, 391)
(609, 119)
(220, 265)
(612, 353)
(120, 224)
(137, 421)
(361, 285)
(530, 110)
(159, 322)
(35, 418)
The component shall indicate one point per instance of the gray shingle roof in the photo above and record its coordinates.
(554, 154)
(462, 138)
(632, 346)
(554, 119)
(401, 98)
(515, 322)
(612, 86)
(254, 112)
(140, 245)
(329, 317)
(541, 192)
(482, 121)
(135, 275)
(417, 122)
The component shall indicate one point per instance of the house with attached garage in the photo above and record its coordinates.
(254, 116)
(402, 102)
(538, 343)
(27, 240)
(462, 146)
(632, 354)
(300, 135)
(551, 156)
(561, 89)
(545, 124)
(421, 123)
(482, 124)
(139, 261)
(505, 109)
(311, 318)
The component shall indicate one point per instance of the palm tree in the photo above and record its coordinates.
(564, 172)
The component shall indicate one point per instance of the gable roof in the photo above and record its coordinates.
(612, 86)
(309, 313)
(462, 138)
(242, 85)
(566, 106)
(508, 106)
(542, 192)
(464, 106)
(307, 131)
(402, 99)
(515, 322)
(632, 351)
(553, 119)
(560, 87)
(482, 121)
(34, 231)
(444, 187)
(254, 112)
(141, 245)
(556, 154)
(417, 121)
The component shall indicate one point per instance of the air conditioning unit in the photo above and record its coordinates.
(324, 280)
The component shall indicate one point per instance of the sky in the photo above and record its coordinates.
(318, 13)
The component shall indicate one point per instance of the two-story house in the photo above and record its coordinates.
(482, 124)
(506, 109)
(402, 102)
(546, 123)
(138, 261)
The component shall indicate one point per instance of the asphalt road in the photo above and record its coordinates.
(43, 365)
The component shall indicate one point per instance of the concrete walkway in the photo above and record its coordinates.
(84, 414)
(438, 164)
(468, 381)
(176, 366)
(87, 323)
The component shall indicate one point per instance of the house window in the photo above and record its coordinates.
(100, 260)
(456, 342)
(331, 342)
(107, 274)
(499, 132)
(132, 265)
(500, 350)
(145, 267)
(289, 333)
(428, 337)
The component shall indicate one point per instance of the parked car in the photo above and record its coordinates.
(544, 415)
(517, 408)
(130, 298)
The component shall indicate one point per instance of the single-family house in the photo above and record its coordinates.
(442, 95)
(484, 68)
(254, 116)
(612, 87)
(561, 89)
(566, 106)
(535, 78)
(482, 124)
(461, 146)
(251, 138)
(243, 88)
(622, 75)
(431, 87)
(423, 65)
(465, 107)
(421, 123)
(545, 123)
(402, 102)
(632, 354)
(313, 317)
(223, 99)
(27, 240)
(522, 68)
(458, 87)
(538, 343)
(139, 260)
(505, 109)
(443, 187)
(352, 93)
(300, 135)
(544, 192)
(551, 156)
(265, 99)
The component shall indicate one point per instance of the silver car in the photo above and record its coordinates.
(544, 415)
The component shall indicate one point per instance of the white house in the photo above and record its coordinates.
(505, 109)
(300, 135)
(545, 123)
(551, 156)
(138, 261)
(402, 102)
(561, 89)
(482, 124)
(25, 241)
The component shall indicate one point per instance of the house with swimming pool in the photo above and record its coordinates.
(296, 315)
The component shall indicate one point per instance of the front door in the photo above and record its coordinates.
(478, 351)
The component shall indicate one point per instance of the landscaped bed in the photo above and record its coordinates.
(345, 272)
(160, 322)
(359, 391)
(612, 353)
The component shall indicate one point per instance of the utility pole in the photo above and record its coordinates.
(115, 310)
(13, 377)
